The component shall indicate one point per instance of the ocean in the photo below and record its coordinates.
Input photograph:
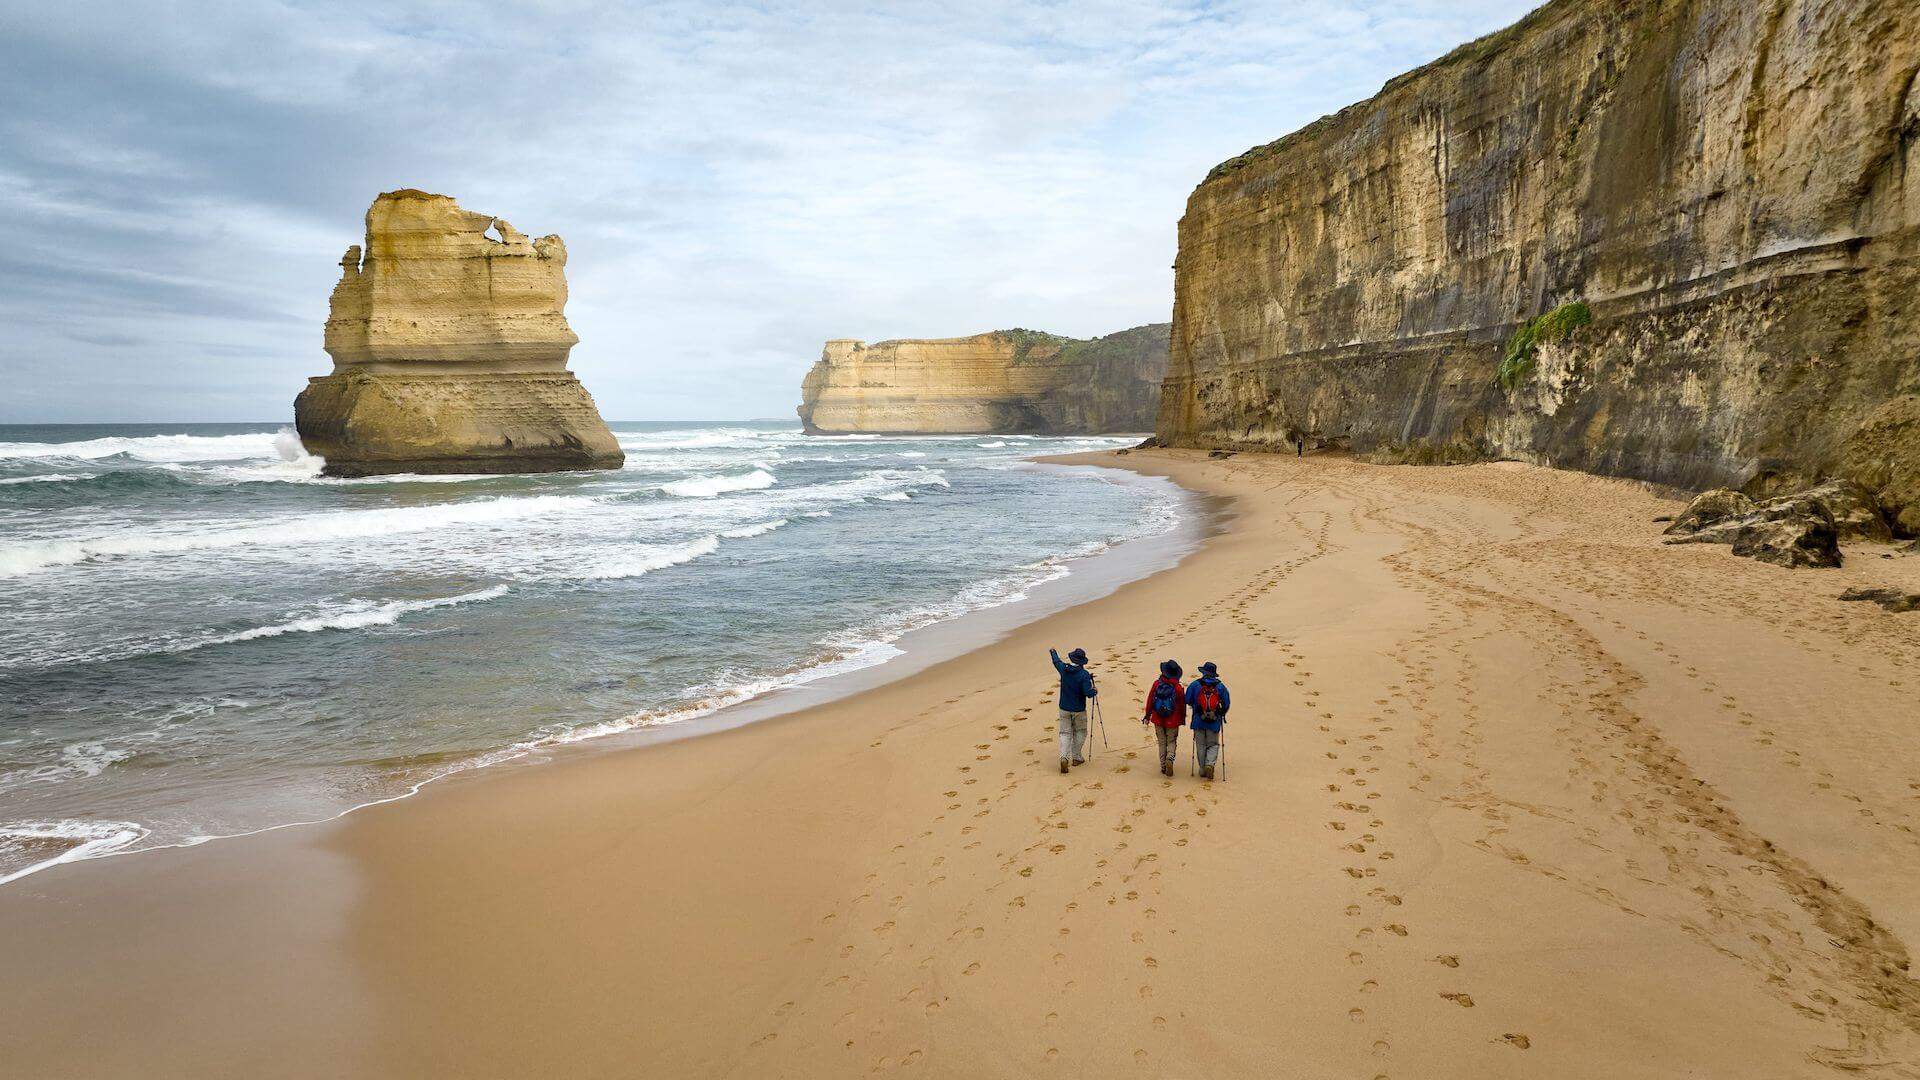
(202, 637)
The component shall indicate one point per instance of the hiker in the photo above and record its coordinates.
(1208, 701)
(1166, 711)
(1076, 686)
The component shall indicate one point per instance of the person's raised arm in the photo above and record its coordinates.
(1057, 665)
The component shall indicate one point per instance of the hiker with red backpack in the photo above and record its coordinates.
(1208, 701)
(1166, 711)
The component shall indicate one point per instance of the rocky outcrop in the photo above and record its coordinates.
(449, 344)
(1802, 529)
(1009, 381)
(1677, 240)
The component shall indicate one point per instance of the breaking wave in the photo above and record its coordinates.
(705, 487)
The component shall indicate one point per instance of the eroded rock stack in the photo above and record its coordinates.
(1010, 381)
(1676, 240)
(449, 344)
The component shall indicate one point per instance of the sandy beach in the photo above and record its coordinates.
(1513, 790)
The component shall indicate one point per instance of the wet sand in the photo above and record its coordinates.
(1513, 791)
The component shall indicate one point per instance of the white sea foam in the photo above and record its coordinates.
(645, 560)
(893, 496)
(759, 529)
(87, 840)
(18, 559)
(78, 761)
(354, 615)
(990, 445)
(706, 487)
(152, 448)
(50, 478)
(911, 453)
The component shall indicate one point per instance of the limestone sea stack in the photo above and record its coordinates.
(1677, 240)
(449, 347)
(1007, 381)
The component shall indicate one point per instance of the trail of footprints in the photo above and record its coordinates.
(1115, 820)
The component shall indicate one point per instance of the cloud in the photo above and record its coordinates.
(735, 183)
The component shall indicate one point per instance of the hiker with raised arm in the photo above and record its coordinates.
(1166, 711)
(1076, 688)
(1207, 701)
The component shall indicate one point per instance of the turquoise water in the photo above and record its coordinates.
(203, 637)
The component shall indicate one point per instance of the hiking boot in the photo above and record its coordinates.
(1206, 772)
(1079, 761)
(1166, 769)
(1063, 764)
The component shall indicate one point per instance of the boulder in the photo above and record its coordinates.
(1710, 508)
(1852, 508)
(1894, 600)
(1801, 529)
(1786, 538)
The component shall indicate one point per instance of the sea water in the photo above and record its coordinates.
(201, 636)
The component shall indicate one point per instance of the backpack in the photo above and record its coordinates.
(1166, 698)
(1207, 701)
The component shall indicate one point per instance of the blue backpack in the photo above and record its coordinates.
(1166, 698)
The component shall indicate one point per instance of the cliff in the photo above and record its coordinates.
(1011, 381)
(449, 344)
(1666, 239)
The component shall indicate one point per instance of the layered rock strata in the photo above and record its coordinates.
(1677, 240)
(449, 344)
(1009, 381)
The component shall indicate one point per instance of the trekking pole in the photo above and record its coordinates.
(1223, 751)
(1101, 715)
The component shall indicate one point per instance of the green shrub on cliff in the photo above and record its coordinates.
(1025, 341)
(1545, 329)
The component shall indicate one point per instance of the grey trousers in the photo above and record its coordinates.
(1169, 740)
(1073, 735)
(1206, 745)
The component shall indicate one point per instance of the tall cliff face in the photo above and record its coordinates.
(449, 345)
(1714, 201)
(1004, 381)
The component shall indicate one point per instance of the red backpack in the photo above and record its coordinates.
(1207, 701)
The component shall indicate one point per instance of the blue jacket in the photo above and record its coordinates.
(1194, 719)
(1076, 684)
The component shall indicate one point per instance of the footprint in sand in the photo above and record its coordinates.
(1465, 1001)
(1517, 1040)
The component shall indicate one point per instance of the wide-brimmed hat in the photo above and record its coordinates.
(1209, 669)
(1078, 656)
(1170, 668)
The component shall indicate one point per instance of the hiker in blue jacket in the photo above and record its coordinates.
(1076, 686)
(1207, 704)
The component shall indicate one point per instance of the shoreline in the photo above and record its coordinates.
(1081, 579)
(1502, 765)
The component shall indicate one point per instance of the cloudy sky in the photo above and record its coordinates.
(735, 183)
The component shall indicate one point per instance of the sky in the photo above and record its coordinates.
(736, 183)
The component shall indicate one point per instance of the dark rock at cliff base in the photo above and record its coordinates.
(1893, 600)
(1852, 508)
(1710, 508)
(1802, 529)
